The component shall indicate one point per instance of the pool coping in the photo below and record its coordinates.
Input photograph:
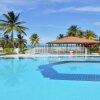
(28, 55)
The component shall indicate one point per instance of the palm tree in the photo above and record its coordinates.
(11, 24)
(2, 43)
(90, 35)
(81, 33)
(60, 36)
(21, 42)
(5, 41)
(34, 39)
(73, 31)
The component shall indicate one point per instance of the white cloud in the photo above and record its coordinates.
(26, 5)
(14, 2)
(30, 2)
(73, 9)
(16, 5)
(88, 9)
(97, 23)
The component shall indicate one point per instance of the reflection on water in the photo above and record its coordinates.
(11, 70)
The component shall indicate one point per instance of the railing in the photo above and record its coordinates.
(57, 50)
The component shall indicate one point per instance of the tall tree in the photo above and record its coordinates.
(90, 35)
(21, 42)
(2, 43)
(11, 24)
(34, 39)
(81, 34)
(60, 36)
(73, 31)
(5, 41)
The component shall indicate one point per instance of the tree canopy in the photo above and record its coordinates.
(76, 31)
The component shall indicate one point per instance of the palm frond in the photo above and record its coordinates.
(22, 27)
(6, 32)
(23, 32)
(4, 21)
(17, 17)
(11, 15)
(6, 16)
(4, 24)
(18, 23)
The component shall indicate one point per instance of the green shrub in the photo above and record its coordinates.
(8, 50)
(93, 50)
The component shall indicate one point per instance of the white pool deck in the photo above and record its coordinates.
(40, 55)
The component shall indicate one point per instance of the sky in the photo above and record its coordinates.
(49, 18)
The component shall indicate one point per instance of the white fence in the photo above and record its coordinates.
(56, 50)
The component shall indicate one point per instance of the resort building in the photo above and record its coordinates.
(79, 44)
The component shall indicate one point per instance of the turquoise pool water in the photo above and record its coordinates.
(58, 78)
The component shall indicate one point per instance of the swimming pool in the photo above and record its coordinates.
(50, 78)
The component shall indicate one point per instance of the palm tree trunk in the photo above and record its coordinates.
(19, 44)
(12, 40)
(12, 36)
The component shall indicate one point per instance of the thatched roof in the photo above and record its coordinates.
(74, 40)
